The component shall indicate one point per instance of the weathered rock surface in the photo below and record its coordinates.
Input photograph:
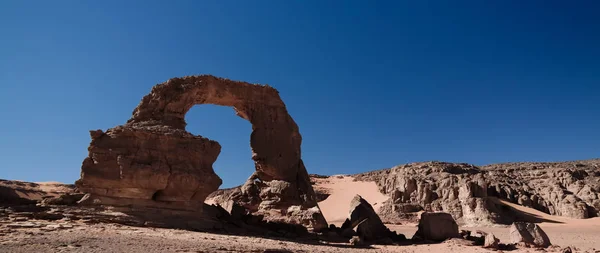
(21, 193)
(152, 161)
(367, 222)
(437, 227)
(528, 233)
(236, 211)
(490, 242)
(64, 199)
(469, 192)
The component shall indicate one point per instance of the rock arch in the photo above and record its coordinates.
(153, 161)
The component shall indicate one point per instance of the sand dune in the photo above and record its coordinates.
(342, 189)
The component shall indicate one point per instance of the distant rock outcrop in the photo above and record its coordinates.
(152, 161)
(469, 193)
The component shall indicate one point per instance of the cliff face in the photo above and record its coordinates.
(152, 161)
(470, 193)
(569, 189)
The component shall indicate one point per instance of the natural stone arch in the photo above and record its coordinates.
(153, 161)
(275, 139)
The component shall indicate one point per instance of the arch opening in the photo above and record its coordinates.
(219, 123)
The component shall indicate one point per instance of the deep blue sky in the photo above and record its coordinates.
(371, 84)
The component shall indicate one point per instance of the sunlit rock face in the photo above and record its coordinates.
(153, 161)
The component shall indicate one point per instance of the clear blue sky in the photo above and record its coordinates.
(371, 84)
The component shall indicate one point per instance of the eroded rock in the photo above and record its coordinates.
(64, 199)
(437, 226)
(528, 233)
(152, 160)
(490, 241)
(365, 219)
(470, 193)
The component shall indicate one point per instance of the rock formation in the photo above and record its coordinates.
(570, 189)
(152, 161)
(491, 241)
(437, 227)
(528, 233)
(458, 189)
(470, 193)
(368, 225)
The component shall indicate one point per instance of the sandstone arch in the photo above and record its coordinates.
(153, 161)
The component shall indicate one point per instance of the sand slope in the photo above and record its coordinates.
(342, 189)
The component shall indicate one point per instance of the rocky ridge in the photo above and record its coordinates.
(470, 193)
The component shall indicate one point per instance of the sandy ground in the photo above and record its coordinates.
(342, 189)
(30, 235)
(563, 231)
(115, 238)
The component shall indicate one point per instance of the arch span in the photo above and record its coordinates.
(153, 161)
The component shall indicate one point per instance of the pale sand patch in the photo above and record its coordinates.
(54, 187)
(342, 189)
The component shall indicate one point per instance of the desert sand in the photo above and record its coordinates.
(18, 234)
(563, 231)
(342, 189)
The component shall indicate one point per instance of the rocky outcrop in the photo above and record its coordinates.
(566, 189)
(458, 189)
(529, 234)
(23, 193)
(152, 161)
(469, 193)
(368, 225)
(436, 227)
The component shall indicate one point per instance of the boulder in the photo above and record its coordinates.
(490, 241)
(529, 234)
(437, 226)
(234, 209)
(364, 217)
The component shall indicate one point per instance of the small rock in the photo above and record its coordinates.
(567, 250)
(465, 234)
(478, 233)
(20, 218)
(67, 226)
(65, 199)
(23, 225)
(356, 241)
(490, 242)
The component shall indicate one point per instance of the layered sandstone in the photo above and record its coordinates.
(470, 193)
(152, 161)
